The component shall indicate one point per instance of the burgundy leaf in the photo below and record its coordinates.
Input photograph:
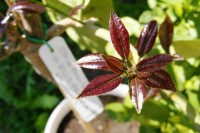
(101, 84)
(159, 79)
(156, 62)
(93, 61)
(76, 9)
(119, 36)
(25, 6)
(152, 93)
(114, 64)
(139, 91)
(147, 38)
(166, 33)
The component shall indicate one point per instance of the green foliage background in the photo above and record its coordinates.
(26, 100)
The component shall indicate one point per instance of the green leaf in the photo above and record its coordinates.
(193, 92)
(41, 121)
(148, 15)
(185, 31)
(178, 9)
(132, 25)
(45, 102)
(178, 74)
(127, 102)
(152, 3)
(147, 129)
(99, 10)
(187, 48)
(58, 9)
(118, 112)
(85, 37)
(152, 116)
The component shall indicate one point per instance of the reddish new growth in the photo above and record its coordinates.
(144, 76)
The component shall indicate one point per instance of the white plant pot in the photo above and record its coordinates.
(63, 108)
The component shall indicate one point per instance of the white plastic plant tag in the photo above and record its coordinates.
(70, 78)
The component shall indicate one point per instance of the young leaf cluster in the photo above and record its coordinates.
(147, 74)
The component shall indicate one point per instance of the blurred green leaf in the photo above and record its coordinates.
(183, 129)
(185, 30)
(147, 129)
(178, 74)
(187, 48)
(148, 15)
(153, 117)
(99, 10)
(41, 121)
(57, 9)
(45, 101)
(178, 9)
(118, 112)
(127, 102)
(193, 92)
(152, 3)
(85, 37)
(132, 25)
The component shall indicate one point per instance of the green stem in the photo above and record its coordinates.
(58, 11)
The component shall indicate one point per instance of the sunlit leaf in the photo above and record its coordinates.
(166, 33)
(156, 62)
(119, 36)
(99, 10)
(114, 64)
(187, 48)
(147, 38)
(86, 37)
(93, 61)
(159, 79)
(101, 84)
(129, 22)
(25, 6)
(139, 91)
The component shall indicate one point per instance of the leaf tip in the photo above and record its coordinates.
(79, 96)
(138, 110)
(177, 57)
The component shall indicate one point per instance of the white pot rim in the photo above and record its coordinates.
(63, 108)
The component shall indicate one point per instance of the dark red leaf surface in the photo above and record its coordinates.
(147, 38)
(101, 84)
(159, 79)
(166, 33)
(119, 36)
(139, 91)
(93, 61)
(25, 6)
(156, 62)
(114, 64)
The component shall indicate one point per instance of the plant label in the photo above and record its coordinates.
(70, 78)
